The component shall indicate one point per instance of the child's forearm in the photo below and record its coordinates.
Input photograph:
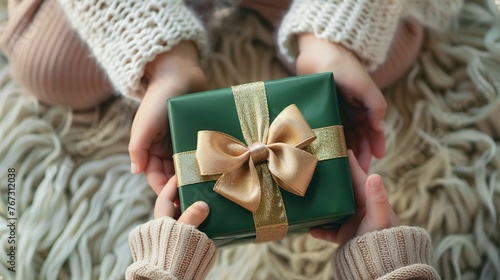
(365, 27)
(166, 249)
(126, 35)
(394, 253)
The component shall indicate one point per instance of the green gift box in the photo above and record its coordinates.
(236, 113)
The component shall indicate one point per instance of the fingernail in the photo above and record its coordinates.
(381, 126)
(203, 206)
(375, 182)
(133, 168)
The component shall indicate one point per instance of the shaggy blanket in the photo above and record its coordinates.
(76, 200)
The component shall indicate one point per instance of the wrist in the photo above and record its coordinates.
(319, 55)
(179, 58)
(309, 42)
(175, 72)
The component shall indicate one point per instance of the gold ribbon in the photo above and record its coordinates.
(329, 144)
(219, 153)
(245, 179)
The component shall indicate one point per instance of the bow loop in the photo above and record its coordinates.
(291, 128)
(218, 153)
(291, 167)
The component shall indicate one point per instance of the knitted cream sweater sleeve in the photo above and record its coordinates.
(396, 253)
(364, 26)
(125, 35)
(165, 249)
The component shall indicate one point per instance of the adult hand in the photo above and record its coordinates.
(373, 210)
(362, 105)
(166, 207)
(171, 74)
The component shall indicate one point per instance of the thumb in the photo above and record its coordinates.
(378, 209)
(195, 214)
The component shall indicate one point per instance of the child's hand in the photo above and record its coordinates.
(173, 73)
(165, 206)
(373, 211)
(365, 106)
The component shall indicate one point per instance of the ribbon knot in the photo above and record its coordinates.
(290, 166)
(258, 152)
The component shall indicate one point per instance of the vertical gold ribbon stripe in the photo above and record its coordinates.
(270, 220)
(251, 105)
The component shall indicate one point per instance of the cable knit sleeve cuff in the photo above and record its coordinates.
(364, 26)
(400, 251)
(436, 15)
(166, 249)
(125, 35)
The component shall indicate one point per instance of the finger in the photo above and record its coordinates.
(373, 100)
(330, 235)
(377, 107)
(164, 205)
(377, 142)
(150, 116)
(158, 172)
(195, 214)
(364, 154)
(378, 209)
(351, 140)
(358, 179)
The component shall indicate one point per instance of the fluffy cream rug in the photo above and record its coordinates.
(76, 200)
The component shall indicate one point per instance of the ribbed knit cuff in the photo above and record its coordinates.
(379, 253)
(364, 26)
(125, 35)
(164, 248)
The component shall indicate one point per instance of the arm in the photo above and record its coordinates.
(168, 249)
(365, 27)
(150, 51)
(124, 36)
(395, 253)
(351, 38)
(348, 38)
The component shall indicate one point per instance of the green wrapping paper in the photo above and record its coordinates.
(329, 198)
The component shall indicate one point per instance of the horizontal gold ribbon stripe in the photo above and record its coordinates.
(186, 169)
(330, 144)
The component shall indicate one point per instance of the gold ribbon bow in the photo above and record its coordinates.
(290, 166)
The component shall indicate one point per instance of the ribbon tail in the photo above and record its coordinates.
(241, 186)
